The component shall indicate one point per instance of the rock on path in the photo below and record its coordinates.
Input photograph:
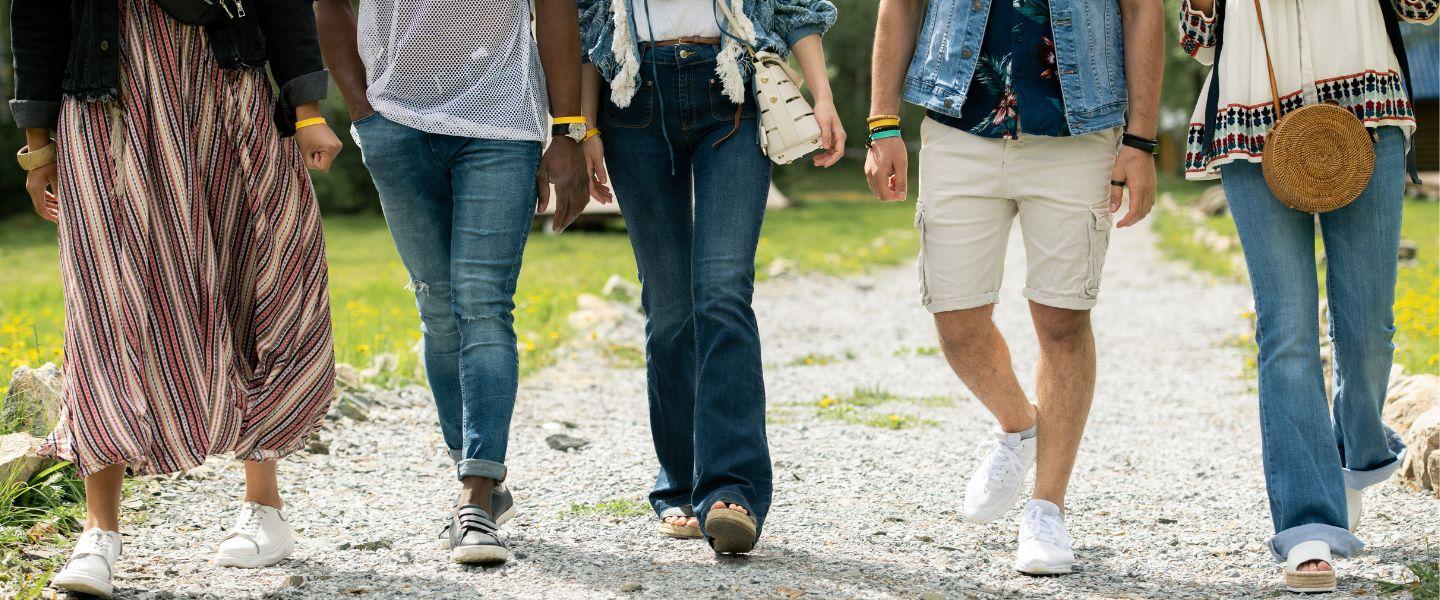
(1167, 499)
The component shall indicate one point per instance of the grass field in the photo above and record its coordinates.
(834, 228)
(1417, 293)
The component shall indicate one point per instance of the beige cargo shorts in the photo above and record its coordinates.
(971, 190)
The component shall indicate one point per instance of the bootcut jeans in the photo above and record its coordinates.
(692, 186)
(1313, 449)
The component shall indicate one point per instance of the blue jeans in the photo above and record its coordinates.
(697, 269)
(1310, 453)
(460, 210)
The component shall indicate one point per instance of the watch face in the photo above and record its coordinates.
(576, 132)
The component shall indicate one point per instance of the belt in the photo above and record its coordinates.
(684, 41)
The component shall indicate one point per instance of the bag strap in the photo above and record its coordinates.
(1212, 98)
(1269, 65)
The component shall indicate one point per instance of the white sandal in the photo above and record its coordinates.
(1309, 581)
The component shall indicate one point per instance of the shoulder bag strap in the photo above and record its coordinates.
(1212, 96)
(1397, 44)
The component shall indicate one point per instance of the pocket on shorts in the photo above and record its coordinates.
(920, 258)
(1101, 222)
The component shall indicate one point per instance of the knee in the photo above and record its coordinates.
(1063, 330)
(724, 296)
(964, 330)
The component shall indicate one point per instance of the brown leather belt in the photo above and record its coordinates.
(684, 41)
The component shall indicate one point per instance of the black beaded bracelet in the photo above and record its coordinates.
(875, 130)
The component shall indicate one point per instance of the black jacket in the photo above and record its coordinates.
(71, 48)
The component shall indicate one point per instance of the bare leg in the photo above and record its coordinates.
(979, 356)
(477, 491)
(102, 498)
(262, 486)
(1065, 386)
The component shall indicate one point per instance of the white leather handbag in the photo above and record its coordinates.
(788, 128)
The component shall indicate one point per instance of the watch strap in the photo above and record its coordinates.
(568, 120)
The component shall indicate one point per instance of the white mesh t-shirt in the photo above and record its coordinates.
(455, 67)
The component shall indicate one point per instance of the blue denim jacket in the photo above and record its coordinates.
(1089, 52)
(778, 25)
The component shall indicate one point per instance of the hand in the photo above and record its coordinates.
(886, 166)
(1136, 168)
(595, 168)
(564, 166)
(832, 134)
(40, 183)
(319, 146)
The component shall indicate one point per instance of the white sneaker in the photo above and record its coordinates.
(1044, 544)
(997, 483)
(1354, 506)
(261, 538)
(89, 569)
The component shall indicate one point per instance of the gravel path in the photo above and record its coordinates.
(1167, 499)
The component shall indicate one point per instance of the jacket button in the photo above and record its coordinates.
(949, 103)
(104, 46)
(965, 53)
(977, 5)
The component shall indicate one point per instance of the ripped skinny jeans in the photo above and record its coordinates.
(460, 211)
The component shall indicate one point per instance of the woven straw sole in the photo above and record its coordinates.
(680, 531)
(1310, 581)
(731, 531)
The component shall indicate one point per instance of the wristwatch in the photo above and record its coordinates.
(571, 127)
(1146, 145)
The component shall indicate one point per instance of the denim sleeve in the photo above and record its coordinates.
(795, 19)
(40, 39)
(594, 16)
(1417, 11)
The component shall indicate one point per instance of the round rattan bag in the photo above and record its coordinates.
(1318, 158)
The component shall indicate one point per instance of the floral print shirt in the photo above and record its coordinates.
(1016, 86)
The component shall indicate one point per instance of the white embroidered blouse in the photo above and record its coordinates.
(1333, 51)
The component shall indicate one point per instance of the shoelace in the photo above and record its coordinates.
(1003, 460)
(95, 542)
(1040, 526)
(250, 522)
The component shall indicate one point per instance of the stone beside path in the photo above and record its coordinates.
(1167, 499)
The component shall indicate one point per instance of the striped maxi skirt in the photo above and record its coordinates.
(197, 320)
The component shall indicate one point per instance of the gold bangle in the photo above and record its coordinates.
(568, 120)
(589, 133)
(34, 159)
(303, 123)
(875, 118)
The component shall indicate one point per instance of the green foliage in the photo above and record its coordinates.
(862, 406)
(618, 508)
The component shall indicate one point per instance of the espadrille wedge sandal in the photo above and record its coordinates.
(1309, 581)
(684, 532)
(731, 531)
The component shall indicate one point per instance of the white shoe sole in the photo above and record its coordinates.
(479, 554)
(256, 561)
(85, 584)
(1004, 506)
(1064, 569)
(444, 542)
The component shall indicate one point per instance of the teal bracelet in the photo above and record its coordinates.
(880, 135)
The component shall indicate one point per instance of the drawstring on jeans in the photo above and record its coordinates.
(654, 74)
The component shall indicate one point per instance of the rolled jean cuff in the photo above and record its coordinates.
(455, 455)
(1341, 541)
(1359, 480)
(474, 467)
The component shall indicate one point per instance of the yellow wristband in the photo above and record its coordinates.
(875, 118)
(303, 123)
(589, 133)
(885, 123)
(568, 120)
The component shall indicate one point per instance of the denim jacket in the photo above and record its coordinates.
(1089, 52)
(71, 48)
(778, 24)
